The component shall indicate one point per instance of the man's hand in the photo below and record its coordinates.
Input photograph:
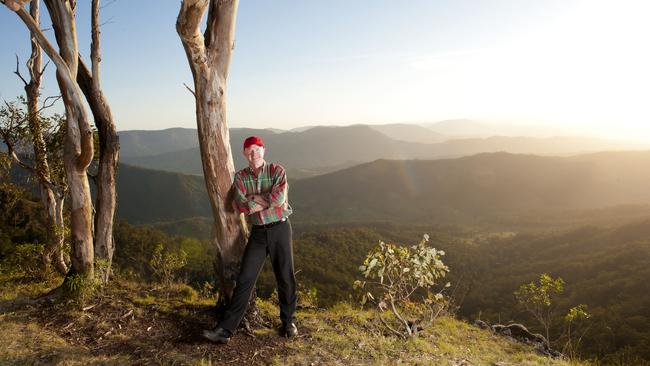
(260, 200)
(15, 5)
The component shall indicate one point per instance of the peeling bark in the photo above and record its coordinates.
(78, 150)
(209, 57)
(108, 148)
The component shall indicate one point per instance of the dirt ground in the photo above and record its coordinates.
(147, 327)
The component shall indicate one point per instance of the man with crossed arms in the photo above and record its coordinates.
(261, 193)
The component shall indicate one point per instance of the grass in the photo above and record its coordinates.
(344, 335)
(134, 323)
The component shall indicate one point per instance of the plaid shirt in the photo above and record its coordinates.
(272, 184)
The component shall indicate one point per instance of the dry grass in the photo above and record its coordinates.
(133, 323)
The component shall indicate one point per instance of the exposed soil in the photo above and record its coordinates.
(153, 327)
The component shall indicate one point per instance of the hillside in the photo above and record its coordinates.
(145, 195)
(321, 150)
(136, 323)
(136, 143)
(479, 189)
(410, 133)
(474, 188)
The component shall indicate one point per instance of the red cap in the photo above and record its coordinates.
(253, 140)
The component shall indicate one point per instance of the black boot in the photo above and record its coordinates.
(218, 335)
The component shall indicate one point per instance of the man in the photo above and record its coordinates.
(261, 193)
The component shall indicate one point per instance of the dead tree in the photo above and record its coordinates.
(209, 57)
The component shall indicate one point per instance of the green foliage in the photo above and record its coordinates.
(207, 290)
(15, 130)
(80, 287)
(537, 299)
(165, 264)
(307, 297)
(394, 274)
(536, 296)
(24, 262)
(577, 313)
(576, 328)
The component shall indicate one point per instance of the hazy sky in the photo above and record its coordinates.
(583, 64)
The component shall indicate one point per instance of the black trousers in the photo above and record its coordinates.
(276, 242)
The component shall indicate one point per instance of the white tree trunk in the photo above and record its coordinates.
(108, 148)
(209, 58)
(53, 250)
(78, 151)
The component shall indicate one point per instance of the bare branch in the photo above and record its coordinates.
(11, 151)
(389, 327)
(95, 54)
(108, 4)
(44, 67)
(17, 72)
(188, 88)
(49, 102)
(109, 21)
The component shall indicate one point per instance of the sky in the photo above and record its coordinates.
(582, 65)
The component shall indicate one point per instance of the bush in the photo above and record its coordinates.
(24, 262)
(395, 275)
(165, 264)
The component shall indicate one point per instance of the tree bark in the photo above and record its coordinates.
(209, 58)
(108, 148)
(78, 150)
(53, 253)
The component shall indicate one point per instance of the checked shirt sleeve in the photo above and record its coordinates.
(244, 204)
(278, 195)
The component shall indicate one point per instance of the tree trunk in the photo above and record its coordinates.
(108, 149)
(78, 150)
(54, 246)
(209, 58)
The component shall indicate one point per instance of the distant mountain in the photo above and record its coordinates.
(145, 143)
(140, 143)
(466, 128)
(325, 149)
(474, 188)
(145, 195)
(409, 133)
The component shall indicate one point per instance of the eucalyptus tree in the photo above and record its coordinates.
(79, 149)
(209, 54)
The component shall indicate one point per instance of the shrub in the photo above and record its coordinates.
(24, 262)
(165, 264)
(395, 275)
(537, 299)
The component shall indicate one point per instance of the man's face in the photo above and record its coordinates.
(254, 153)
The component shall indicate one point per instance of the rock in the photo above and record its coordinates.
(481, 324)
(520, 333)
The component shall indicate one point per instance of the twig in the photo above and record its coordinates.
(191, 91)
(108, 4)
(17, 72)
(44, 67)
(389, 327)
(128, 313)
(51, 99)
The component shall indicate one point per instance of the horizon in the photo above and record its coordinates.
(573, 66)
